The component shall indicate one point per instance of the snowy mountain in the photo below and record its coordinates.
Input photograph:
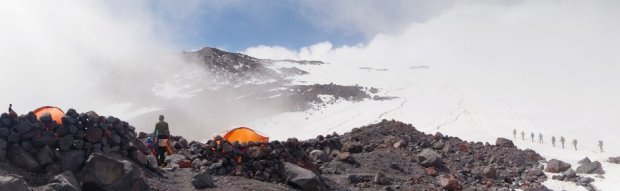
(288, 98)
(433, 104)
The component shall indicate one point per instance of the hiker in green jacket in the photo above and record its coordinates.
(161, 138)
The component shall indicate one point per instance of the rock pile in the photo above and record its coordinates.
(45, 147)
(588, 167)
(568, 174)
(410, 159)
(276, 161)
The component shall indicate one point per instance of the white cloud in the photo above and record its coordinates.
(370, 17)
(86, 55)
(544, 56)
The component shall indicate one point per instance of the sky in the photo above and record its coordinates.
(239, 24)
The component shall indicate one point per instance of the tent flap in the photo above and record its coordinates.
(245, 135)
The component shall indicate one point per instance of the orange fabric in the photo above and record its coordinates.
(244, 135)
(56, 113)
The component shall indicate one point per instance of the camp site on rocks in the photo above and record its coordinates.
(92, 152)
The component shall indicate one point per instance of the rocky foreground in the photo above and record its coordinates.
(91, 152)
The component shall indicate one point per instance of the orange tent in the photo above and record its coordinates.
(56, 113)
(244, 135)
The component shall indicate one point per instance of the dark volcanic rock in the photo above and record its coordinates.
(13, 183)
(449, 183)
(584, 161)
(301, 178)
(557, 166)
(23, 159)
(203, 180)
(94, 135)
(352, 147)
(319, 156)
(104, 173)
(65, 143)
(615, 160)
(428, 157)
(590, 168)
(139, 158)
(64, 181)
(503, 142)
(45, 155)
(72, 160)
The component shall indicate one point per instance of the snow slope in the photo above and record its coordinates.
(451, 102)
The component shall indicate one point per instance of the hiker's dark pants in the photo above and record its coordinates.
(161, 155)
(161, 151)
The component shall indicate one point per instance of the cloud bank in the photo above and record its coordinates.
(557, 60)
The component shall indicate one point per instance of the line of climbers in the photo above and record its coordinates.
(562, 139)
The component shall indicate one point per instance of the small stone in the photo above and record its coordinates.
(381, 179)
(319, 156)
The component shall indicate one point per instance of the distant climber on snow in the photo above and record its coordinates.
(161, 137)
(540, 138)
(523, 135)
(600, 145)
(532, 135)
(553, 141)
(562, 140)
(575, 143)
(514, 133)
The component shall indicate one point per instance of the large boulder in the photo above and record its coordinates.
(139, 158)
(590, 168)
(203, 180)
(23, 159)
(584, 161)
(301, 178)
(503, 142)
(72, 160)
(557, 166)
(64, 181)
(13, 183)
(428, 157)
(152, 162)
(104, 173)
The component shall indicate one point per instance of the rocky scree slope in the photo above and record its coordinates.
(387, 155)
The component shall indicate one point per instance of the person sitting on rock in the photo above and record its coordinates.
(11, 112)
(161, 137)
